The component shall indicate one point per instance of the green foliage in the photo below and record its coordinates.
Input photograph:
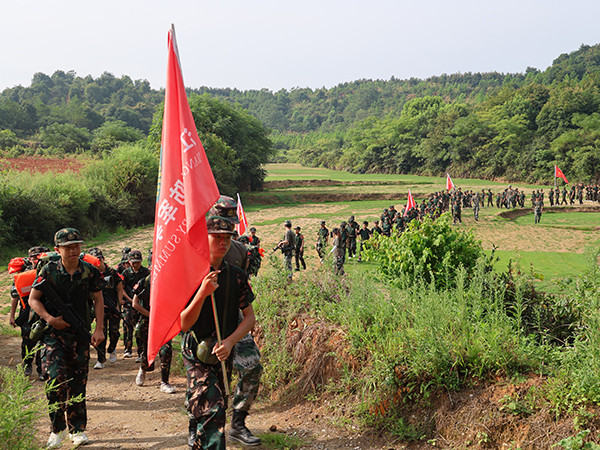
(66, 137)
(431, 250)
(119, 190)
(20, 409)
(8, 139)
(123, 184)
(111, 133)
(237, 145)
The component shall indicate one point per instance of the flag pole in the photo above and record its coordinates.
(223, 368)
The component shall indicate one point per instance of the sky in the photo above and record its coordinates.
(279, 44)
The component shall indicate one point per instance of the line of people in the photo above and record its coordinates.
(123, 293)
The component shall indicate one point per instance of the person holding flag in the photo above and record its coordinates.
(202, 352)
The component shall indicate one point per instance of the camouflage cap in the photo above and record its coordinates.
(135, 256)
(222, 216)
(252, 230)
(67, 236)
(37, 250)
(126, 250)
(95, 251)
(297, 228)
(288, 223)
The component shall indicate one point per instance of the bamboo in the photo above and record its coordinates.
(223, 367)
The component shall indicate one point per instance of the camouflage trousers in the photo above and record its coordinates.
(205, 397)
(320, 250)
(165, 353)
(338, 265)
(130, 319)
(65, 360)
(246, 362)
(111, 334)
(287, 262)
(351, 247)
(27, 349)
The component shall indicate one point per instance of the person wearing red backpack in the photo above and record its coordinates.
(23, 268)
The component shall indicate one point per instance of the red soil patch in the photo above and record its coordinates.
(41, 165)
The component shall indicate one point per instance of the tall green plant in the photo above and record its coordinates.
(431, 250)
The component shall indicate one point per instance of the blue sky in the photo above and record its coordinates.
(282, 44)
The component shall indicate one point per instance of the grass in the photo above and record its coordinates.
(277, 172)
(549, 268)
(281, 441)
(588, 221)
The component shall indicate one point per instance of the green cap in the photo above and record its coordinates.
(135, 256)
(222, 217)
(67, 236)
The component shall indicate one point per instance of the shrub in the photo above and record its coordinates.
(431, 250)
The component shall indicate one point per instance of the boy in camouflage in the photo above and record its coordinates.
(66, 352)
(113, 295)
(141, 302)
(322, 238)
(27, 345)
(132, 276)
(201, 353)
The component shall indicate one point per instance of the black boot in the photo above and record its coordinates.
(239, 432)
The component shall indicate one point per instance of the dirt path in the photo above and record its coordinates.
(122, 415)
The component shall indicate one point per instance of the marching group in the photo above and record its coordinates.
(59, 294)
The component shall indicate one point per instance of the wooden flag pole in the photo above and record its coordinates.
(223, 368)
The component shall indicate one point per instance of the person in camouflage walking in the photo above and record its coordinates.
(113, 295)
(132, 276)
(339, 252)
(322, 239)
(201, 354)
(66, 352)
(141, 302)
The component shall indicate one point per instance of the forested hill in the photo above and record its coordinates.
(305, 110)
(515, 126)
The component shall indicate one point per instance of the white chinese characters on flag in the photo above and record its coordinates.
(243, 225)
(186, 191)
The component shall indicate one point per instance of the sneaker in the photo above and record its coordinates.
(99, 365)
(56, 439)
(138, 359)
(141, 376)
(79, 438)
(127, 355)
(166, 388)
(112, 357)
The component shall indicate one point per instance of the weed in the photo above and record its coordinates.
(281, 441)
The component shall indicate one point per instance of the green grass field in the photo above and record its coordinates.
(553, 250)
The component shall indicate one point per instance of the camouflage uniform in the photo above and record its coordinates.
(288, 250)
(338, 254)
(130, 315)
(322, 238)
(352, 230)
(22, 320)
(142, 290)
(299, 250)
(112, 315)
(537, 211)
(65, 356)
(205, 390)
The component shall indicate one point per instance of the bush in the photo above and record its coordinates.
(431, 250)
(20, 409)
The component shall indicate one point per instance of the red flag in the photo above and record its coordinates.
(186, 191)
(449, 183)
(243, 225)
(559, 174)
(410, 204)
